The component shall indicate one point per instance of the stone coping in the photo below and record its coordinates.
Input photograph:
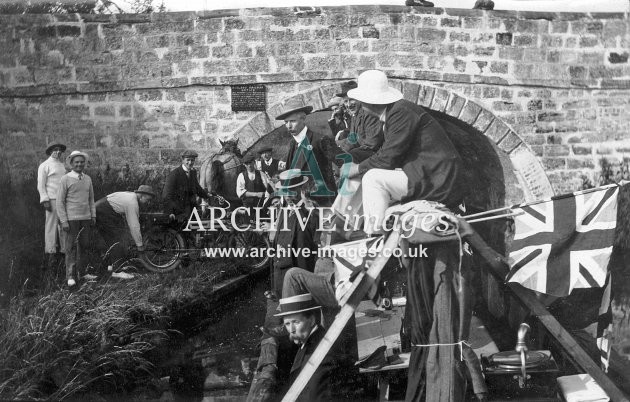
(289, 11)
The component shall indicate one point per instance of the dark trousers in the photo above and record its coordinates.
(112, 227)
(77, 242)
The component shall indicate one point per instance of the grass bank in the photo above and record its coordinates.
(102, 337)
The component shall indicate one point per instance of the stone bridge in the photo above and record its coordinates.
(548, 92)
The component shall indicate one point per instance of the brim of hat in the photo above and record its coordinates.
(297, 311)
(145, 192)
(279, 185)
(70, 157)
(377, 98)
(50, 147)
(305, 109)
(262, 151)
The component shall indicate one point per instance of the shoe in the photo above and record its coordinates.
(422, 3)
(90, 277)
(375, 361)
(71, 283)
(122, 275)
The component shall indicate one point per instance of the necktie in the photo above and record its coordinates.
(80, 176)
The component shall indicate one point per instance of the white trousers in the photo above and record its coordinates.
(380, 189)
(53, 234)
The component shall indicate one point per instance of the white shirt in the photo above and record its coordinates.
(301, 135)
(240, 183)
(49, 175)
(126, 203)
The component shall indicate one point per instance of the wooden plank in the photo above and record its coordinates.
(353, 297)
(499, 268)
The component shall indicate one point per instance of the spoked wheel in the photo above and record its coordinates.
(163, 250)
(255, 244)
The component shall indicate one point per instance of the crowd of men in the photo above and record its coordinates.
(386, 148)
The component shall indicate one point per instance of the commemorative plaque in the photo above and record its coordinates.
(249, 98)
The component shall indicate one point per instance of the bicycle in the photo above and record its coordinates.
(166, 247)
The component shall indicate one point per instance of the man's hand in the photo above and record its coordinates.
(354, 170)
(65, 227)
(47, 206)
(93, 221)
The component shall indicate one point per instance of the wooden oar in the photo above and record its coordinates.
(352, 298)
(499, 268)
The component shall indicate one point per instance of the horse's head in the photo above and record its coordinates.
(230, 146)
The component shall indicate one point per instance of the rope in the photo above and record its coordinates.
(460, 343)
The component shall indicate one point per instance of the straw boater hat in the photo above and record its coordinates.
(297, 304)
(373, 88)
(53, 145)
(293, 107)
(145, 189)
(290, 178)
(74, 154)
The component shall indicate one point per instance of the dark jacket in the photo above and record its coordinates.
(319, 386)
(416, 142)
(365, 131)
(180, 192)
(271, 169)
(298, 240)
(320, 151)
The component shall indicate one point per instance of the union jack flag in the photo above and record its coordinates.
(565, 242)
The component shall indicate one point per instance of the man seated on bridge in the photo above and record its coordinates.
(182, 188)
(301, 317)
(364, 134)
(117, 213)
(417, 160)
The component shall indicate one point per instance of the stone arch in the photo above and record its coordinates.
(528, 170)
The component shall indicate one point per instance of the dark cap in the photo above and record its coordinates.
(145, 189)
(345, 87)
(189, 153)
(249, 158)
(265, 149)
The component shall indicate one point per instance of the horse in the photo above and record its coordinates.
(218, 173)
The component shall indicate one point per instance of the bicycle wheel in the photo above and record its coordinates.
(163, 250)
(250, 241)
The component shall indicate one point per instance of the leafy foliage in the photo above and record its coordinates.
(81, 6)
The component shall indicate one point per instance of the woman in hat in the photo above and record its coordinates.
(49, 176)
(77, 212)
(119, 212)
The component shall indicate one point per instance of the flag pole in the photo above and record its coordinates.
(554, 198)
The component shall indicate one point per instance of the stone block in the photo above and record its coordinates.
(68, 30)
(470, 112)
(588, 41)
(556, 150)
(430, 35)
(494, 129)
(425, 96)
(483, 121)
(617, 58)
(450, 22)
(410, 91)
(440, 100)
(464, 78)
(554, 163)
(511, 53)
(455, 105)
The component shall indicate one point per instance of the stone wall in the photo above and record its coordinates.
(135, 88)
